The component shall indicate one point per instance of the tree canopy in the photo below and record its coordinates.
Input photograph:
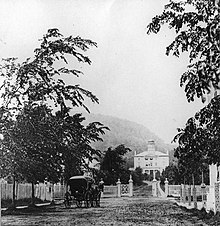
(40, 78)
(42, 138)
(197, 27)
(199, 141)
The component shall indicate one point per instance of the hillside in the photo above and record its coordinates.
(131, 134)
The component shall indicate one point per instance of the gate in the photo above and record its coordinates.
(124, 189)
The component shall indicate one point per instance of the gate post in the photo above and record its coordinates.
(130, 186)
(154, 187)
(166, 187)
(119, 187)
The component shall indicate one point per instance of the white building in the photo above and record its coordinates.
(151, 160)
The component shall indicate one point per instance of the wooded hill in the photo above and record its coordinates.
(131, 134)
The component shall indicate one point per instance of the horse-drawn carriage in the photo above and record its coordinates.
(82, 190)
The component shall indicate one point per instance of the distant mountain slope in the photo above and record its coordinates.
(131, 134)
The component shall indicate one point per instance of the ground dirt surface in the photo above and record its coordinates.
(141, 209)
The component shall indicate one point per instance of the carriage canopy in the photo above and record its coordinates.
(80, 183)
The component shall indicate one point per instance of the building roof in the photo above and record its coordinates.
(147, 153)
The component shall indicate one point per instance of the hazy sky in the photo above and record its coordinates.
(130, 73)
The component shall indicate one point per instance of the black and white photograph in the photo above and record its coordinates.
(110, 112)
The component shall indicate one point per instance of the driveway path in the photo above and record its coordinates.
(125, 211)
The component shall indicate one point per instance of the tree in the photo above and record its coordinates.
(40, 79)
(11, 153)
(51, 146)
(36, 108)
(113, 165)
(199, 141)
(36, 134)
(197, 25)
(172, 174)
(137, 176)
(77, 150)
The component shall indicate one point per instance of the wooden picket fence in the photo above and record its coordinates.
(56, 191)
(42, 191)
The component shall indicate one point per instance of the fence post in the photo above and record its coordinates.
(101, 184)
(154, 187)
(119, 187)
(217, 199)
(189, 195)
(194, 197)
(166, 187)
(130, 186)
(184, 193)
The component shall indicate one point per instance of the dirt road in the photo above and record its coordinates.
(113, 211)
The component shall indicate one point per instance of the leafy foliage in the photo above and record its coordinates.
(199, 140)
(41, 137)
(138, 176)
(113, 165)
(39, 79)
(172, 174)
(197, 25)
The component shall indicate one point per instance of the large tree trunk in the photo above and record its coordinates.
(13, 206)
(32, 195)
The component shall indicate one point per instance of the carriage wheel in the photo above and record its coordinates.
(67, 203)
(78, 203)
(88, 201)
(94, 203)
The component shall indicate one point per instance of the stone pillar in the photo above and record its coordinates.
(166, 187)
(130, 186)
(194, 197)
(119, 188)
(154, 174)
(101, 184)
(189, 195)
(154, 187)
